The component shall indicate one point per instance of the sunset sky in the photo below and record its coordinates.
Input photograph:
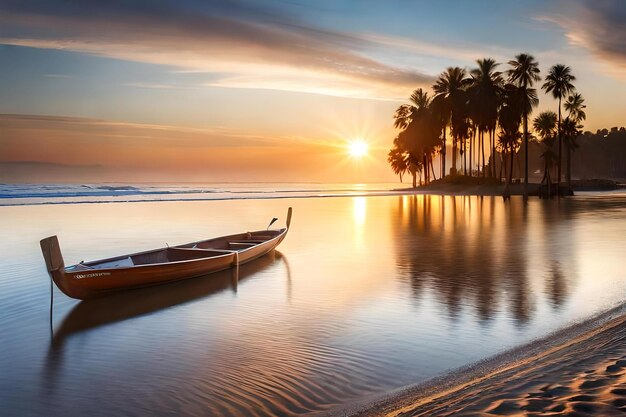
(263, 90)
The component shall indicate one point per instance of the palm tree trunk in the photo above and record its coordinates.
(443, 150)
(482, 146)
(492, 134)
(454, 155)
(507, 183)
(488, 159)
(477, 153)
(432, 168)
(490, 172)
(568, 155)
(471, 150)
(464, 157)
(440, 164)
(525, 156)
(558, 175)
(414, 174)
(501, 166)
(511, 165)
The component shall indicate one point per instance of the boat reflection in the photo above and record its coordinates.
(90, 314)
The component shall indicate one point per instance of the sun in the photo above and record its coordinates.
(357, 148)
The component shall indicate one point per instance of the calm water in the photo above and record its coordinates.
(365, 295)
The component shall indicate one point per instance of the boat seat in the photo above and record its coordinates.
(242, 244)
(79, 267)
(118, 263)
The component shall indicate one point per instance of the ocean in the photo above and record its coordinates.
(371, 291)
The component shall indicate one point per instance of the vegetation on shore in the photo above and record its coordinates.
(488, 108)
(477, 185)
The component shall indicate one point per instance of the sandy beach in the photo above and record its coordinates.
(582, 376)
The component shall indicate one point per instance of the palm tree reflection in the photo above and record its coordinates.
(470, 252)
(556, 285)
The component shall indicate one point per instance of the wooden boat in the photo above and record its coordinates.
(158, 266)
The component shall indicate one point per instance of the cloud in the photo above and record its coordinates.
(19, 132)
(152, 86)
(467, 53)
(56, 76)
(598, 26)
(250, 47)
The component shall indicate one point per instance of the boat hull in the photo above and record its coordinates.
(94, 283)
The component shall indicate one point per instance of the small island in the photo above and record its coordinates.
(480, 121)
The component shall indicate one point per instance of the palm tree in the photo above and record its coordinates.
(402, 116)
(575, 107)
(450, 87)
(545, 126)
(524, 73)
(398, 161)
(416, 144)
(559, 83)
(485, 94)
(402, 160)
(422, 137)
(405, 112)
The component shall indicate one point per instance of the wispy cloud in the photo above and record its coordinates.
(57, 76)
(598, 26)
(151, 86)
(251, 47)
(84, 131)
(468, 53)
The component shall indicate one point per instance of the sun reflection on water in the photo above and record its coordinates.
(359, 210)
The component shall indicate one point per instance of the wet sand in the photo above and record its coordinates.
(582, 376)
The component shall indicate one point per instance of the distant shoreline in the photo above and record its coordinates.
(514, 189)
